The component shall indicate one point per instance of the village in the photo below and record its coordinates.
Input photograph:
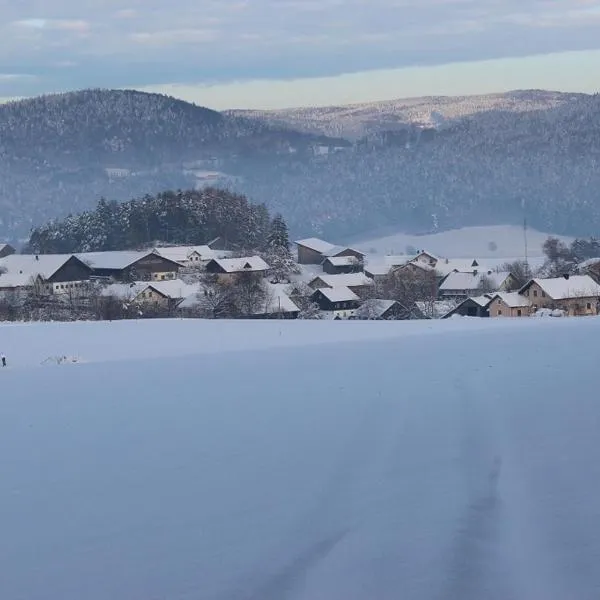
(326, 281)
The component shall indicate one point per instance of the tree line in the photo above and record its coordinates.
(189, 217)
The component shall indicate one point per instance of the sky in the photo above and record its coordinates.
(278, 53)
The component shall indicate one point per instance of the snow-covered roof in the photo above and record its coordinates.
(472, 281)
(341, 261)
(277, 301)
(316, 244)
(338, 249)
(375, 307)
(338, 294)
(483, 300)
(174, 288)
(345, 280)
(512, 299)
(182, 253)
(464, 265)
(560, 288)
(116, 259)
(241, 265)
(378, 269)
(20, 269)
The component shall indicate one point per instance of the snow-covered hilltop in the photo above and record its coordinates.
(357, 120)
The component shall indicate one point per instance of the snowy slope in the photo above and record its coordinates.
(468, 242)
(290, 460)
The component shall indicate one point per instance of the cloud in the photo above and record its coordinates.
(116, 43)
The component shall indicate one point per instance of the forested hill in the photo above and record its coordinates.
(184, 217)
(537, 159)
(61, 153)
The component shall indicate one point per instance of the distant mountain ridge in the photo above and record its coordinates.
(354, 121)
(422, 165)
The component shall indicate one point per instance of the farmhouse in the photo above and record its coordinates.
(312, 251)
(477, 306)
(340, 301)
(130, 266)
(509, 304)
(465, 284)
(191, 256)
(357, 282)
(577, 295)
(229, 268)
(47, 273)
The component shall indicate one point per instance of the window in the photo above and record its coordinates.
(149, 294)
(499, 313)
(162, 277)
(535, 293)
(543, 294)
(519, 313)
(589, 306)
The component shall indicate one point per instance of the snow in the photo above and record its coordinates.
(576, 286)
(278, 301)
(189, 459)
(468, 242)
(182, 254)
(316, 244)
(339, 294)
(174, 288)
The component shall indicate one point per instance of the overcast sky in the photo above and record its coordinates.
(238, 53)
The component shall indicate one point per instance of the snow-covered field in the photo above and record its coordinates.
(503, 242)
(186, 460)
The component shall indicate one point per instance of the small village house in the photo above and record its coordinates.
(229, 268)
(381, 310)
(463, 285)
(340, 302)
(44, 274)
(341, 265)
(277, 305)
(312, 251)
(359, 283)
(476, 306)
(576, 295)
(509, 304)
(191, 256)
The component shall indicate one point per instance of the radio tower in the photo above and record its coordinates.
(525, 236)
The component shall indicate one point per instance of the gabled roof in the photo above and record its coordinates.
(415, 265)
(472, 281)
(174, 288)
(181, 254)
(316, 244)
(335, 250)
(20, 269)
(116, 259)
(338, 294)
(242, 265)
(344, 280)
(483, 301)
(376, 307)
(277, 302)
(444, 266)
(512, 299)
(562, 288)
(341, 261)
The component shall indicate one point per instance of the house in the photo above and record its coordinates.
(434, 309)
(339, 251)
(46, 273)
(476, 306)
(414, 268)
(445, 266)
(157, 294)
(340, 302)
(340, 265)
(463, 285)
(426, 258)
(377, 271)
(6, 250)
(576, 295)
(381, 310)
(509, 304)
(130, 266)
(312, 251)
(359, 283)
(229, 268)
(191, 256)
